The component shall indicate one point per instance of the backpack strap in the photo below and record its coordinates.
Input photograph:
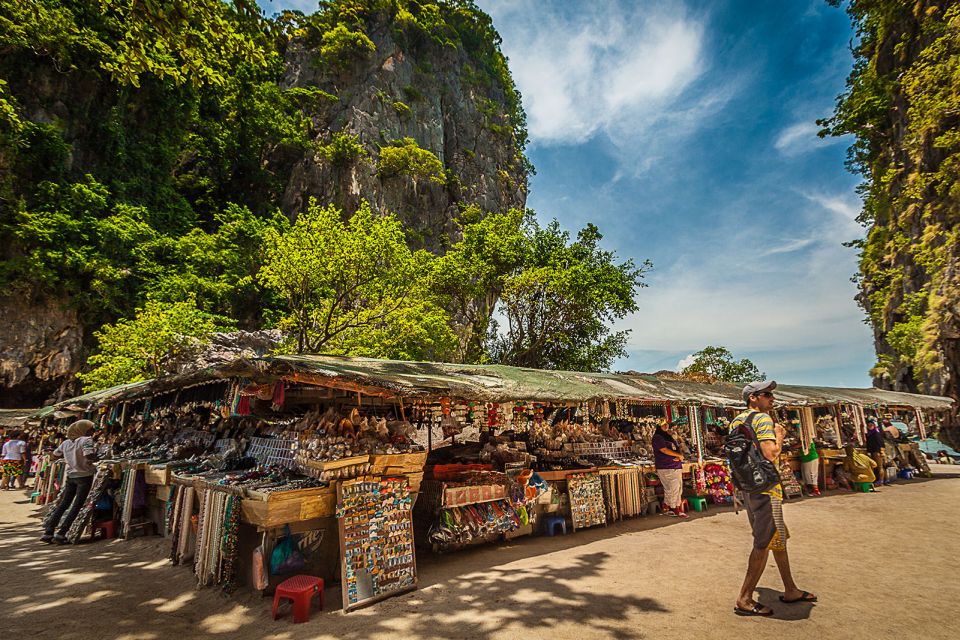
(747, 424)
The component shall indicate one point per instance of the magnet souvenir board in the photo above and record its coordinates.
(587, 508)
(377, 558)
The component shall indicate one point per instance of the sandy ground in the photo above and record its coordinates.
(885, 565)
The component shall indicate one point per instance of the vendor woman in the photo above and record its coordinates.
(669, 462)
(810, 465)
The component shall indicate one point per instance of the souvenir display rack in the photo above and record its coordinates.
(272, 451)
(377, 555)
(625, 492)
(587, 507)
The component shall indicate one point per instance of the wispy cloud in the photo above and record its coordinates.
(621, 69)
(801, 137)
(846, 207)
(788, 246)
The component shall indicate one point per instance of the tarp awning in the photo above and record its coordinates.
(488, 383)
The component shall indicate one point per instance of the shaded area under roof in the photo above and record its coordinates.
(489, 383)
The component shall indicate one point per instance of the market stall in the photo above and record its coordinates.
(283, 453)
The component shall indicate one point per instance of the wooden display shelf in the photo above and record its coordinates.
(274, 509)
(563, 474)
(330, 465)
(398, 463)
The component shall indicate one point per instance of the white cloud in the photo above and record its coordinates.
(795, 296)
(801, 137)
(684, 363)
(621, 69)
(846, 207)
(788, 246)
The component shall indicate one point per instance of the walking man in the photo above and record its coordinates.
(765, 509)
(79, 453)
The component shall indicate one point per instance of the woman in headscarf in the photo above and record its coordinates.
(79, 454)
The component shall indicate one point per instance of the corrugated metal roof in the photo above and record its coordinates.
(491, 383)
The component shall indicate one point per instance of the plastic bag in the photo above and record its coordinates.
(286, 556)
(260, 580)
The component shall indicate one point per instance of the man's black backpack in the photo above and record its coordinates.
(749, 469)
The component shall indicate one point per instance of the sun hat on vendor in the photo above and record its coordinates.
(79, 428)
(757, 387)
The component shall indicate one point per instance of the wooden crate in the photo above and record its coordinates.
(157, 475)
(282, 507)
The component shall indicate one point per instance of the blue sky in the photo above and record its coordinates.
(685, 131)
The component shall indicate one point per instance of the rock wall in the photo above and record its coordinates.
(902, 105)
(41, 348)
(388, 96)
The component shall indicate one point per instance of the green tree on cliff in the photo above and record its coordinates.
(355, 287)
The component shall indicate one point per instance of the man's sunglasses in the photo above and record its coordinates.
(765, 394)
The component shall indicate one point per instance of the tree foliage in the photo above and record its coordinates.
(158, 338)
(560, 303)
(719, 364)
(355, 287)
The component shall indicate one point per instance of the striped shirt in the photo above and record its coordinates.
(763, 426)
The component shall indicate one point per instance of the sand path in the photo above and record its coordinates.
(885, 565)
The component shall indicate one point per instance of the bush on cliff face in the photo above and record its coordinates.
(406, 158)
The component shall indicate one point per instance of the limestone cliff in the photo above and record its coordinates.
(409, 106)
(903, 107)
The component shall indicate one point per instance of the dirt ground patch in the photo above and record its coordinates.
(885, 565)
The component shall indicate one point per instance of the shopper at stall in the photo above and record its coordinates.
(764, 509)
(669, 463)
(810, 466)
(14, 456)
(875, 449)
(79, 453)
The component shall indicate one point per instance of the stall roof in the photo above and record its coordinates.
(491, 383)
(13, 418)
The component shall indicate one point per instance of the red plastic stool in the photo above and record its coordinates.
(107, 527)
(299, 589)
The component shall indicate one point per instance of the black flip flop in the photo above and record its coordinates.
(757, 610)
(804, 597)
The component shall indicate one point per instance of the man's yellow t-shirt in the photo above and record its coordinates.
(763, 426)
